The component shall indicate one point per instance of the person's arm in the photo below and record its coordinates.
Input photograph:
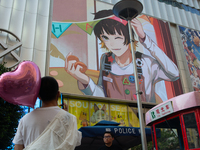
(18, 139)
(19, 147)
(95, 89)
(167, 70)
(75, 71)
(64, 105)
(85, 84)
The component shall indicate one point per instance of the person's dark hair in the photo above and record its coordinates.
(109, 133)
(110, 26)
(48, 89)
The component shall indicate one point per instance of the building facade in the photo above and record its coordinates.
(83, 46)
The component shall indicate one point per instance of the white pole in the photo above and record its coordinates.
(139, 104)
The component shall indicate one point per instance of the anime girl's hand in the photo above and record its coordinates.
(75, 70)
(138, 28)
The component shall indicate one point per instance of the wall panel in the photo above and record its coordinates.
(167, 12)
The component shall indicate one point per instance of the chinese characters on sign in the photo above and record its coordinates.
(161, 111)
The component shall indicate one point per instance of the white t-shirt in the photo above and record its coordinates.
(33, 124)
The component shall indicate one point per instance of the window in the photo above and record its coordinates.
(169, 135)
(191, 130)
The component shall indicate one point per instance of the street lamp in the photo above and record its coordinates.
(127, 10)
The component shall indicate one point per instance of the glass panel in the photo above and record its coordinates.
(119, 113)
(80, 109)
(191, 130)
(133, 118)
(98, 111)
(169, 135)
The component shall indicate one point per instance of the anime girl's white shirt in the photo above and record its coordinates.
(156, 67)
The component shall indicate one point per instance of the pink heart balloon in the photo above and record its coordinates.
(21, 86)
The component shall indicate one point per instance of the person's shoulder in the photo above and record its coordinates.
(67, 114)
(116, 147)
(26, 117)
(52, 108)
(28, 114)
(71, 115)
(103, 56)
(43, 110)
(107, 54)
(102, 147)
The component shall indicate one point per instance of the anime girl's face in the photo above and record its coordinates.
(115, 43)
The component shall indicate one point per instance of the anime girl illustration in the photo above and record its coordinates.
(116, 78)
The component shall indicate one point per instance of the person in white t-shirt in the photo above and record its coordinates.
(39, 126)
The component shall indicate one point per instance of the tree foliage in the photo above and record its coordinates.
(10, 115)
(167, 141)
(139, 147)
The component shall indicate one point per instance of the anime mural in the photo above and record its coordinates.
(191, 44)
(91, 55)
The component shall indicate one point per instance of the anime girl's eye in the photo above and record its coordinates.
(104, 37)
(118, 38)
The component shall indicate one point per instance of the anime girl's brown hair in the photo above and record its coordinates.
(110, 26)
